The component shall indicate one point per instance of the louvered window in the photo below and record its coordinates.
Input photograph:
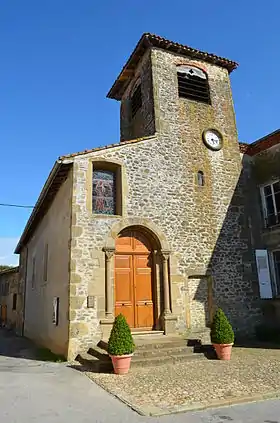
(136, 101)
(193, 84)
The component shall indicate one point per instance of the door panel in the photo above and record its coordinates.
(141, 244)
(143, 292)
(144, 315)
(124, 288)
(124, 244)
(133, 280)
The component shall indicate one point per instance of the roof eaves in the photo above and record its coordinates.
(277, 131)
(142, 43)
(262, 144)
(9, 270)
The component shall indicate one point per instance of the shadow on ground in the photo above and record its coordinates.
(12, 345)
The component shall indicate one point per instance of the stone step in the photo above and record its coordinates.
(157, 333)
(149, 351)
(161, 352)
(104, 366)
(152, 350)
(152, 343)
(160, 344)
(94, 364)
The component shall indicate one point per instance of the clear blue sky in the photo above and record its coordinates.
(60, 57)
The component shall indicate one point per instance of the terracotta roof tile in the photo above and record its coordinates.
(243, 146)
(9, 270)
(262, 144)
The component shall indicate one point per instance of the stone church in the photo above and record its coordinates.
(163, 226)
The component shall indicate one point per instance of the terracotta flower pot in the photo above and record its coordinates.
(223, 351)
(121, 363)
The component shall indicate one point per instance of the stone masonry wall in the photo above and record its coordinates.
(204, 226)
(143, 123)
(213, 232)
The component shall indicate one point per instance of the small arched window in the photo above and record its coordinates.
(193, 84)
(200, 178)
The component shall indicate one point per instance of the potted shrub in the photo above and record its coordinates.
(222, 336)
(121, 345)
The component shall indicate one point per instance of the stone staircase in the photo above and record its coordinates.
(152, 349)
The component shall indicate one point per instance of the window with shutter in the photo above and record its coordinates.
(263, 273)
(193, 84)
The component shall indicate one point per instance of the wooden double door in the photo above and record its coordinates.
(134, 280)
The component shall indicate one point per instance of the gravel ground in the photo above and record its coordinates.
(250, 371)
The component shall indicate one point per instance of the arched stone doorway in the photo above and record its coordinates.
(135, 281)
(137, 260)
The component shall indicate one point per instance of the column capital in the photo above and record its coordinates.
(109, 252)
(165, 254)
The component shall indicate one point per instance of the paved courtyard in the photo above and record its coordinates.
(253, 373)
(35, 391)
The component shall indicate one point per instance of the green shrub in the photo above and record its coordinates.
(221, 330)
(120, 341)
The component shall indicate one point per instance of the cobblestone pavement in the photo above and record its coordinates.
(252, 373)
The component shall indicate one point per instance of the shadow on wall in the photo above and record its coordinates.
(232, 264)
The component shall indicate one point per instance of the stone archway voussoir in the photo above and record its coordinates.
(135, 221)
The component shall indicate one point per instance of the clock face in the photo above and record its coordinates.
(213, 139)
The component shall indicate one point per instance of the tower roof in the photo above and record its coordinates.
(150, 40)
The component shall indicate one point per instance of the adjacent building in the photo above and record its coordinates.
(11, 300)
(163, 226)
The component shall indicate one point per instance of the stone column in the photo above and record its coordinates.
(109, 306)
(166, 292)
